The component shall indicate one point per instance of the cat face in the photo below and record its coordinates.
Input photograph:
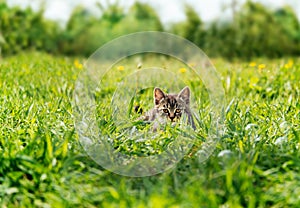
(171, 106)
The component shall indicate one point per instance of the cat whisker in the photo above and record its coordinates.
(169, 107)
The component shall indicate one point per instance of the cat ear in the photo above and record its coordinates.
(184, 94)
(158, 95)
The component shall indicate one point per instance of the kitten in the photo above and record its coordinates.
(170, 107)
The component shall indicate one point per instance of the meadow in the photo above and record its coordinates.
(256, 162)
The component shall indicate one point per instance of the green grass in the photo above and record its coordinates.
(255, 164)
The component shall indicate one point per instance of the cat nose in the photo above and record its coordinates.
(172, 117)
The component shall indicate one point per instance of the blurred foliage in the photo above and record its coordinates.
(26, 29)
(254, 31)
(86, 33)
(191, 29)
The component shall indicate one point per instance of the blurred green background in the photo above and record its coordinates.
(254, 30)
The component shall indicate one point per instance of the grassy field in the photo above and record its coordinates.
(255, 164)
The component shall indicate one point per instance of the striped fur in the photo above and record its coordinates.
(170, 107)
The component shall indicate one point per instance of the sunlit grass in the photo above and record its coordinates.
(255, 164)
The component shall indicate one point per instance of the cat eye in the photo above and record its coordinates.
(177, 111)
(166, 110)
